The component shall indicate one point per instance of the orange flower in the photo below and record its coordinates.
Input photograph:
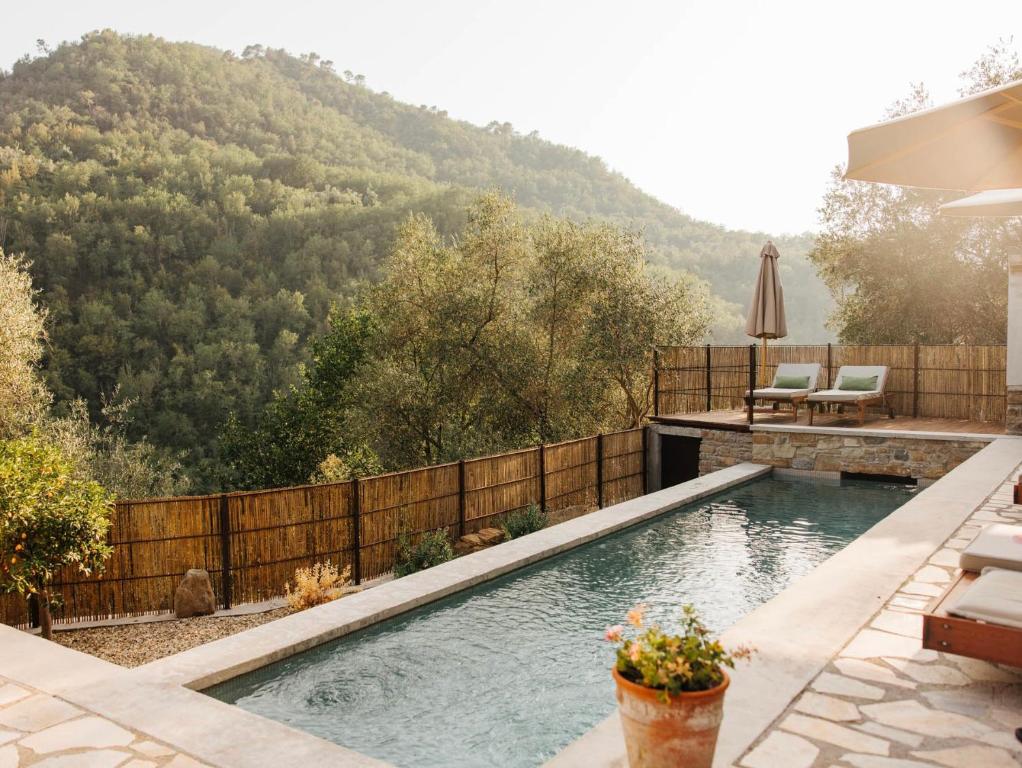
(636, 615)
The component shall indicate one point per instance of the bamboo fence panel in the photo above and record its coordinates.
(963, 382)
(571, 474)
(275, 532)
(494, 485)
(412, 503)
(623, 466)
(267, 535)
(938, 381)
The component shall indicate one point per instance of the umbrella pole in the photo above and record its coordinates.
(763, 370)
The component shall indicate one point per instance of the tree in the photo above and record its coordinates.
(23, 398)
(901, 273)
(49, 519)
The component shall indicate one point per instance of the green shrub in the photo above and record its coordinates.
(49, 519)
(522, 521)
(432, 549)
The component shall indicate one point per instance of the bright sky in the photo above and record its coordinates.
(733, 112)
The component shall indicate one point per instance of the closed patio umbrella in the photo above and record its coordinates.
(766, 312)
(972, 144)
(994, 202)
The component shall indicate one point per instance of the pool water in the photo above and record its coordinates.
(508, 673)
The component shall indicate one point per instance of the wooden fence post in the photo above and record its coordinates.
(709, 382)
(226, 578)
(645, 458)
(461, 498)
(915, 383)
(542, 477)
(599, 470)
(752, 379)
(828, 364)
(656, 382)
(356, 530)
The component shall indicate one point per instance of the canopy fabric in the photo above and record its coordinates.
(973, 144)
(766, 313)
(995, 202)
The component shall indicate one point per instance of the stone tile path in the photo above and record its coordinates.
(885, 702)
(40, 730)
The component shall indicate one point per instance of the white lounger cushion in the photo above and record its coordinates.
(773, 393)
(844, 395)
(998, 545)
(811, 370)
(838, 395)
(995, 597)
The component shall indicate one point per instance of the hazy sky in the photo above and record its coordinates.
(732, 111)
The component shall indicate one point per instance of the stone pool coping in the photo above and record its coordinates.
(798, 632)
(229, 657)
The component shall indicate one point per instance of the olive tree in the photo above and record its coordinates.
(50, 519)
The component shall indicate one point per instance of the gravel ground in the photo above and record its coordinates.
(131, 645)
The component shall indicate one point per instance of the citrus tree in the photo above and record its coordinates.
(49, 519)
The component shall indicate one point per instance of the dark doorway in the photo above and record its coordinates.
(679, 459)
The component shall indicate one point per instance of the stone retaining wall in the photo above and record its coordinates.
(900, 456)
(895, 454)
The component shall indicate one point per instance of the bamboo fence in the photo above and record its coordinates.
(935, 381)
(252, 542)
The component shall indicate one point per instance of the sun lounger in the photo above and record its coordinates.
(843, 393)
(980, 614)
(807, 373)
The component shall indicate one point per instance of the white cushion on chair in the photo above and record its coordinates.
(843, 395)
(998, 546)
(773, 393)
(812, 370)
(995, 597)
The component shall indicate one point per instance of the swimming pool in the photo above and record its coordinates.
(507, 673)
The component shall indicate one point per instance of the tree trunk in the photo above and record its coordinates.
(45, 619)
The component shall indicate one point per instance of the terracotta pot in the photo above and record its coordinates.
(679, 734)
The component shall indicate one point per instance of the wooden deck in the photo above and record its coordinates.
(737, 421)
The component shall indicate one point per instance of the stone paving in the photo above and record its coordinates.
(40, 730)
(885, 702)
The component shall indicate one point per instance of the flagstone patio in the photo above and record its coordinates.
(37, 729)
(885, 702)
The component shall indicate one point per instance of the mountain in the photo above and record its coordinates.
(191, 215)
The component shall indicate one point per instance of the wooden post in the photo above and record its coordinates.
(33, 610)
(645, 461)
(542, 477)
(829, 358)
(225, 552)
(356, 530)
(752, 379)
(599, 471)
(461, 498)
(709, 382)
(915, 383)
(656, 382)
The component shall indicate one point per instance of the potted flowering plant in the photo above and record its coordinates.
(670, 691)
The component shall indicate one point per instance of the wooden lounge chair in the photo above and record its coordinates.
(794, 396)
(841, 395)
(987, 629)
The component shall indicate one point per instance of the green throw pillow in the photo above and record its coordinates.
(791, 382)
(858, 383)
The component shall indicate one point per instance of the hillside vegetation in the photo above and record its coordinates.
(191, 215)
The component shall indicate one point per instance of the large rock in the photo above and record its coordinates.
(473, 542)
(194, 595)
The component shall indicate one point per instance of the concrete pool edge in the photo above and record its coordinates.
(230, 657)
(802, 628)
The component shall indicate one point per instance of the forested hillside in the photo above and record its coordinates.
(192, 214)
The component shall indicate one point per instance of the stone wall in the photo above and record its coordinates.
(923, 459)
(899, 456)
(1013, 415)
(720, 449)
